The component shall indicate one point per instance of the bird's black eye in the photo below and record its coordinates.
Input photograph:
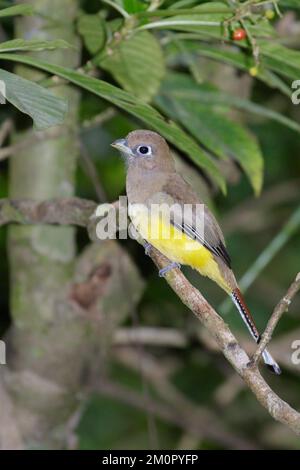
(144, 150)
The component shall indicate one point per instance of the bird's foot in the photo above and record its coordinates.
(148, 248)
(162, 272)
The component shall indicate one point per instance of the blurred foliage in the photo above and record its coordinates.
(226, 108)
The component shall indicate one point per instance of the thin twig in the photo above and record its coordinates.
(266, 256)
(52, 133)
(165, 337)
(138, 401)
(195, 416)
(100, 118)
(92, 173)
(279, 310)
(154, 4)
(26, 142)
(244, 215)
(5, 130)
(193, 299)
(288, 230)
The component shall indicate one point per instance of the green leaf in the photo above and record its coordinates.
(137, 63)
(23, 9)
(132, 105)
(208, 23)
(114, 25)
(281, 59)
(273, 56)
(134, 6)
(290, 4)
(41, 105)
(208, 95)
(92, 29)
(237, 58)
(33, 45)
(207, 20)
(231, 55)
(183, 3)
(214, 130)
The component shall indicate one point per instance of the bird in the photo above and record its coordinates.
(190, 237)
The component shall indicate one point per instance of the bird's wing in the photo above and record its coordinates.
(198, 225)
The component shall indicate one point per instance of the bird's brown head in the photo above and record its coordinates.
(146, 150)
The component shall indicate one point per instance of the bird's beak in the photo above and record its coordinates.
(121, 145)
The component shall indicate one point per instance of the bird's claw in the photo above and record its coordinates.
(162, 272)
(147, 247)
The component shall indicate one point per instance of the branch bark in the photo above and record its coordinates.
(279, 310)
(192, 298)
(64, 211)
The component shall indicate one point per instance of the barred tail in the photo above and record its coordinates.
(239, 302)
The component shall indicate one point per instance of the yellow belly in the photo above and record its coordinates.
(177, 246)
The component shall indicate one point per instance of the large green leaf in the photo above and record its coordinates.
(207, 20)
(132, 105)
(214, 130)
(23, 9)
(134, 6)
(208, 25)
(281, 59)
(92, 29)
(289, 4)
(137, 63)
(237, 58)
(33, 45)
(196, 21)
(274, 56)
(40, 104)
(208, 95)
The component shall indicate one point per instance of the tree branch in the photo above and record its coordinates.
(68, 211)
(194, 300)
(279, 310)
(5, 130)
(79, 212)
(166, 337)
(29, 140)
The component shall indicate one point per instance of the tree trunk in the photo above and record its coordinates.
(42, 258)
(55, 334)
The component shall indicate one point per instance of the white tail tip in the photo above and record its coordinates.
(271, 364)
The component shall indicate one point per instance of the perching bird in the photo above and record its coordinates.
(196, 240)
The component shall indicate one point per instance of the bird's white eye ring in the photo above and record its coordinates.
(144, 150)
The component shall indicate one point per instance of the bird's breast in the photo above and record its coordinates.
(174, 244)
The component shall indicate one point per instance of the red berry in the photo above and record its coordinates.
(239, 34)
